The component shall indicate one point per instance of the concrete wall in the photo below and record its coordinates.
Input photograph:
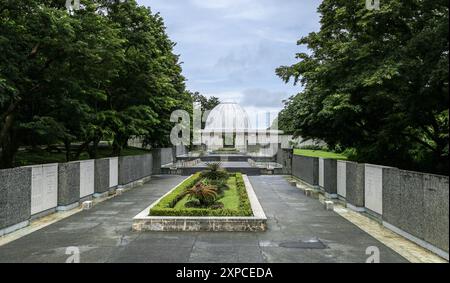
(166, 156)
(355, 184)
(417, 204)
(157, 163)
(436, 198)
(33, 191)
(68, 183)
(101, 176)
(181, 150)
(284, 157)
(161, 157)
(330, 177)
(132, 168)
(15, 196)
(412, 204)
(306, 169)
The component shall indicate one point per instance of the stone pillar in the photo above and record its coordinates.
(284, 158)
(330, 178)
(15, 198)
(101, 176)
(156, 154)
(306, 168)
(355, 185)
(68, 185)
(174, 153)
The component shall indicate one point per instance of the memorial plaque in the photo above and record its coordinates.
(113, 172)
(86, 178)
(342, 178)
(373, 188)
(44, 188)
(321, 172)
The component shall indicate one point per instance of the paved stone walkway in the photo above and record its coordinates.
(104, 234)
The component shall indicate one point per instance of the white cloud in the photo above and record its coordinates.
(231, 48)
(214, 4)
(263, 98)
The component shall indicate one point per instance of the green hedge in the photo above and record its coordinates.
(165, 206)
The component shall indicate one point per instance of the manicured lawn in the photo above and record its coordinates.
(234, 199)
(320, 153)
(25, 158)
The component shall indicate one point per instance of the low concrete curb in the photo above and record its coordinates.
(256, 223)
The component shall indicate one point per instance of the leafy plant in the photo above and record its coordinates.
(381, 91)
(205, 194)
(215, 171)
(192, 208)
(219, 184)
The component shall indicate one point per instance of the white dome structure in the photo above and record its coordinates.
(227, 117)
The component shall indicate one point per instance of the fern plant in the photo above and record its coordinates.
(205, 194)
(215, 171)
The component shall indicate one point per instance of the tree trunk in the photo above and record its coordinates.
(67, 146)
(81, 149)
(94, 148)
(119, 143)
(8, 146)
(8, 153)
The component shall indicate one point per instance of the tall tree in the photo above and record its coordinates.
(106, 71)
(206, 104)
(377, 81)
(150, 84)
(35, 40)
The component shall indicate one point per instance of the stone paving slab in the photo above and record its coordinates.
(103, 234)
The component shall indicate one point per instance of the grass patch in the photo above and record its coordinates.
(41, 156)
(320, 153)
(225, 151)
(234, 199)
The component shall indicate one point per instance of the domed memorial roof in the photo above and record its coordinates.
(227, 117)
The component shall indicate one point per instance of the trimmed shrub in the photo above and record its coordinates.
(166, 206)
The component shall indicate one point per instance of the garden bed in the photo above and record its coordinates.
(234, 200)
(235, 208)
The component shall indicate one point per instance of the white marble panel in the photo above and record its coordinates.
(44, 188)
(113, 172)
(321, 172)
(87, 182)
(373, 188)
(342, 178)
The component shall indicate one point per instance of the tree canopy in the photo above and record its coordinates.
(106, 71)
(376, 81)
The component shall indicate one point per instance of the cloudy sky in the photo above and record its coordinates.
(231, 48)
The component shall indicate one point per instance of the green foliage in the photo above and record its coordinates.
(376, 81)
(205, 194)
(49, 155)
(312, 147)
(225, 150)
(166, 207)
(206, 104)
(214, 172)
(105, 72)
(178, 194)
(320, 153)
